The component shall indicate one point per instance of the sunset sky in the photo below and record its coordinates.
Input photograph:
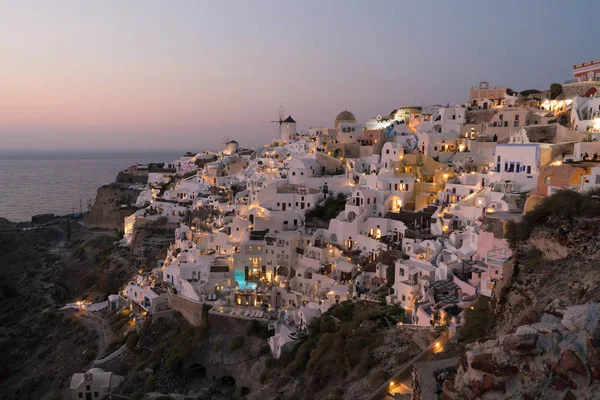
(183, 74)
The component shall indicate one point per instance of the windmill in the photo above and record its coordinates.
(280, 119)
(226, 140)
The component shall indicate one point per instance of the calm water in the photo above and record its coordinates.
(54, 182)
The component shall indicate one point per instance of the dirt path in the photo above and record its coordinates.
(102, 328)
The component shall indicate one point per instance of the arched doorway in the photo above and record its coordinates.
(591, 92)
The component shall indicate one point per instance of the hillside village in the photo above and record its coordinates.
(408, 209)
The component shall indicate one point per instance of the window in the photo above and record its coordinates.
(294, 173)
(403, 298)
(95, 394)
(516, 124)
(547, 180)
(517, 117)
(81, 395)
(87, 387)
(387, 151)
(249, 248)
(506, 124)
(435, 148)
(401, 271)
(258, 248)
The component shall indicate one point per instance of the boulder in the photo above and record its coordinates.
(485, 363)
(593, 360)
(487, 382)
(520, 344)
(572, 363)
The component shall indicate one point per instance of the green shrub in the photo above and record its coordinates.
(132, 340)
(479, 321)
(344, 312)
(150, 384)
(89, 355)
(236, 343)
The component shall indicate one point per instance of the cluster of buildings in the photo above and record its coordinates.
(419, 200)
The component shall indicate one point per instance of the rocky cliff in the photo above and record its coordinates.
(113, 203)
(545, 343)
(557, 357)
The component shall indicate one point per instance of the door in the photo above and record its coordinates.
(88, 396)
(283, 206)
(302, 206)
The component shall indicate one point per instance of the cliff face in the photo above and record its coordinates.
(555, 358)
(113, 203)
(555, 268)
(547, 330)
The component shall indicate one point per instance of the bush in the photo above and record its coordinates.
(150, 384)
(89, 355)
(390, 274)
(327, 210)
(344, 312)
(563, 204)
(236, 343)
(479, 321)
(132, 341)
(174, 363)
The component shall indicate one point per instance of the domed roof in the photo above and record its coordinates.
(345, 116)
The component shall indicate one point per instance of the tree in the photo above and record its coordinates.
(390, 274)
(556, 90)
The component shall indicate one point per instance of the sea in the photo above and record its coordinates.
(62, 182)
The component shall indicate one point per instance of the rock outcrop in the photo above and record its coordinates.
(557, 357)
(113, 203)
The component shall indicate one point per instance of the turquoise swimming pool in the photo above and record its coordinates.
(242, 284)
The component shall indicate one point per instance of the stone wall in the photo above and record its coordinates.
(579, 89)
(190, 309)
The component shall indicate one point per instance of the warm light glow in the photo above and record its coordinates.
(392, 383)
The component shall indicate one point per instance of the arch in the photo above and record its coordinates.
(251, 218)
(333, 238)
(591, 92)
(282, 270)
(351, 216)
